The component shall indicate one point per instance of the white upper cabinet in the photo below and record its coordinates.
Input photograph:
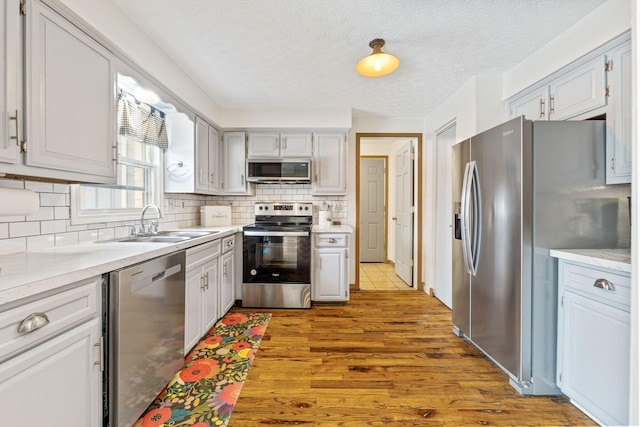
(202, 155)
(329, 164)
(619, 138)
(214, 160)
(275, 145)
(578, 91)
(296, 145)
(263, 145)
(532, 105)
(234, 180)
(70, 102)
(10, 57)
(595, 86)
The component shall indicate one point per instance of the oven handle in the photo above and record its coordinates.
(276, 233)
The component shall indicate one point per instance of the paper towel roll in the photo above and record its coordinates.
(18, 201)
(324, 218)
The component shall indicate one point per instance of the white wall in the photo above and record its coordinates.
(308, 118)
(603, 24)
(109, 20)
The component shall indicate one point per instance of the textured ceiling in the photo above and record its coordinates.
(298, 53)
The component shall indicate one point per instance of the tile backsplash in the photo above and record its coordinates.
(51, 225)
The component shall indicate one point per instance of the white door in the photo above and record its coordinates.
(404, 216)
(443, 275)
(372, 218)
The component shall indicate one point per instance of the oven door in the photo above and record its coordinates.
(276, 269)
(276, 257)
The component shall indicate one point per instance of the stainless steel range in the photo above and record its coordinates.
(276, 255)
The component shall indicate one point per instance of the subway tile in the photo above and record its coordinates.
(22, 229)
(65, 239)
(62, 212)
(52, 199)
(87, 236)
(13, 218)
(11, 246)
(106, 234)
(50, 227)
(44, 213)
(11, 183)
(61, 188)
(35, 243)
(4, 231)
(40, 187)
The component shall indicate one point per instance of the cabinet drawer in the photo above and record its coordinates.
(202, 253)
(583, 279)
(228, 243)
(62, 310)
(331, 240)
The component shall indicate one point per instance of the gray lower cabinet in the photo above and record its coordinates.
(228, 274)
(593, 340)
(201, 292)
(39, 363)
(330, 278)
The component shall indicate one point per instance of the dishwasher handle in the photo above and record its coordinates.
(141, 284)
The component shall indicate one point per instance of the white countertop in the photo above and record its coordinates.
(26, 274)
(332, 229)
(613, 259)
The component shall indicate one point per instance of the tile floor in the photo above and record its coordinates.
(380, 277)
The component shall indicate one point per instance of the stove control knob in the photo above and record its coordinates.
(266, 208)
(300, 208)
(260, 207)
(306, 208)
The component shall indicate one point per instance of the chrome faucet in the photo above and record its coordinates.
(153, 226)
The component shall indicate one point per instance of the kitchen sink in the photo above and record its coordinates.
(164, 237)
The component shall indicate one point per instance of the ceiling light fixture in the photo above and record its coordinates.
(378, 63)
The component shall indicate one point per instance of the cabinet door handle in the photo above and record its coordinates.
(604, 284)
(33, 322)
(552, 105)
(541, 108)
(332, 240)
(241, 179)
(17, 137)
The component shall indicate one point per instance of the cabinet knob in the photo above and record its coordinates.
(33, 322)
(604, 284)
(332, 240)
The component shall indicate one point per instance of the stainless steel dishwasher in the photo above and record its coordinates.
(144, 320)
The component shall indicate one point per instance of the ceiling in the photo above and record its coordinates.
(302, 53)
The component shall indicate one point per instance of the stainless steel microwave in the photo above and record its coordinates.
(279, 170)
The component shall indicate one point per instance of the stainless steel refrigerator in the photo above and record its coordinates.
(520, 189)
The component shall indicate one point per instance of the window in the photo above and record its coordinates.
(141, 137)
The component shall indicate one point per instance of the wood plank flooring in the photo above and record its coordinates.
(383, 359)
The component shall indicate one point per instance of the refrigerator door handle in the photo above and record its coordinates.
(465, 211)
(476, 225)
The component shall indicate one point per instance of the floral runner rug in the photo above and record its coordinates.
(205, 391)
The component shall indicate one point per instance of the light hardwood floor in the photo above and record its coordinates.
(383, 359)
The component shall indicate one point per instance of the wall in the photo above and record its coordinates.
(603, 24)
(475, 107)
(242, 206)
(109, 21)
(50, 225)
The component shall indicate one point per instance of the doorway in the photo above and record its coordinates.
(387, 146)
